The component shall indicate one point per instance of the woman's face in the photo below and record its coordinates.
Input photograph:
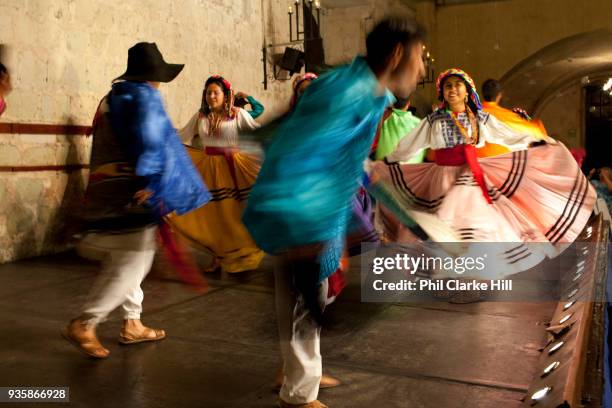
(5, 84)
(454, 91)
(409, 71)
(215, 97)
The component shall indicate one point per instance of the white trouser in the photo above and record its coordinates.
(299, 339)
(128, 259)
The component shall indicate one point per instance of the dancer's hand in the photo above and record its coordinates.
(142, 195)
(370, 172)
(241, 95)
(605, 176)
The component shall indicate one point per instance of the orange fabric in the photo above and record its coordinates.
(540, 125)
(513, 120)
(430, 156)
(491, 149)
(509, 118)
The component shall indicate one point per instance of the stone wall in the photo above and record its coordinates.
(344, 29)
(63, 55)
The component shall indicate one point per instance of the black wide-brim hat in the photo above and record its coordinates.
(146, 63)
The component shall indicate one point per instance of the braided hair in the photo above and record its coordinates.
(470, 105)
(471, 109)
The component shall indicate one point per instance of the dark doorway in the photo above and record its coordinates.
(598, 128)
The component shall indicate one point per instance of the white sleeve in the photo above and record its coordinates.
(413, 143)
(245, 121)
(500, 133)
(190, 130)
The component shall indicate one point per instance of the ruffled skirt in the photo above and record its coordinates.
(217, 226)
(539, 196)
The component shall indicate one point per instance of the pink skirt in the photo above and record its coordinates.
(538, 195)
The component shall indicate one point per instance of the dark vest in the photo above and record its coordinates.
(109, 204)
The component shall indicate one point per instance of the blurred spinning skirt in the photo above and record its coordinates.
(537, 195)
(217, 226)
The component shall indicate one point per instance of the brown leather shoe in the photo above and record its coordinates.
(313, 404)
(327, 381)
(83, 337)
(134, 331)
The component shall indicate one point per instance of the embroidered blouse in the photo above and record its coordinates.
(439, 131)
(198, 125)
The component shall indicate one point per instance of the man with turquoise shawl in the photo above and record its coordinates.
(139, 172)
(299, 208)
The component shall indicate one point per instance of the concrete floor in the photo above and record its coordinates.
(222, 350)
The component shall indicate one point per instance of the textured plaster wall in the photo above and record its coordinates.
(344, 29)
(63, 55)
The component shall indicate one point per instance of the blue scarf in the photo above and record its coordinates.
(139, 119)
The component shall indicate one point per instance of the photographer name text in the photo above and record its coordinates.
(449, 284)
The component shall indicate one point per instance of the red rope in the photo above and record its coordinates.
(181, 260)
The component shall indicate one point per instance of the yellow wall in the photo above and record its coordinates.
(488, 39)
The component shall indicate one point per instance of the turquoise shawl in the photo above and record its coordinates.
(314, 164)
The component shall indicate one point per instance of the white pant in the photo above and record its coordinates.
(127, 262)
(299, 338)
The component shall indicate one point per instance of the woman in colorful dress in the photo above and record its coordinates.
(397, 123)
(228, 172)
(535, 195)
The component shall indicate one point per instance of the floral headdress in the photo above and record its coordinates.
(471, 87)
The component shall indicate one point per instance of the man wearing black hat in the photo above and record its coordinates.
(139, 173)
